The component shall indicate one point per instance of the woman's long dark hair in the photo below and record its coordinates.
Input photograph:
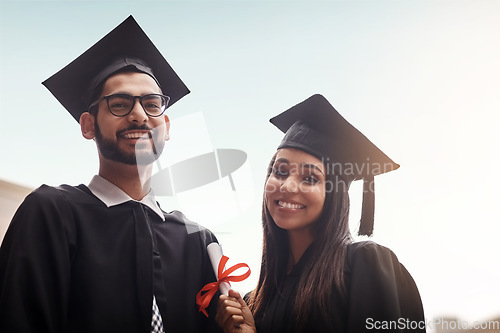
(317, 289)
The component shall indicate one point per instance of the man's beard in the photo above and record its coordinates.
(110, 150)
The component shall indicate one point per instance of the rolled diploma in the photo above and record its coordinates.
(215, 254)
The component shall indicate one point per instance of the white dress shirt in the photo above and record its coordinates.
(112, 195)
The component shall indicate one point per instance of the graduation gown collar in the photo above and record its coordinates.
(300, 265)
(112, 195)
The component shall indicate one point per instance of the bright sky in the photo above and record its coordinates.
(419, 78)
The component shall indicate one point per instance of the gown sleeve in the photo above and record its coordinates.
(383, 296)
(35, 267)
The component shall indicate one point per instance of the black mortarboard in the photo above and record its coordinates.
(126, 46)
(314, 126)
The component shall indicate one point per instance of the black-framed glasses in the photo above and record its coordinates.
(121, 105)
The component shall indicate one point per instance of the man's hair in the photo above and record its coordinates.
(94, 96)
(96, 93)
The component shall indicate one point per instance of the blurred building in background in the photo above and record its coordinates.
(11, 196)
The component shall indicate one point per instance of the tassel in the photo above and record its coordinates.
(368, 210)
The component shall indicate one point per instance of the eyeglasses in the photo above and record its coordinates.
(121, 105)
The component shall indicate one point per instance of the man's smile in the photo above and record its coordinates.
(139, 135)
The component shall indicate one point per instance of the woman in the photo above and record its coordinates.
(313, 278)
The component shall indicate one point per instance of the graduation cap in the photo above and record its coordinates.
(126, 46)
(315, 127)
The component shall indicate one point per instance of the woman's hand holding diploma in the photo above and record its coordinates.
(233, 314)
(223, 277)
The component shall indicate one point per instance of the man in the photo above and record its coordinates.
(105, 257)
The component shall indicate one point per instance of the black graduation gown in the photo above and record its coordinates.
(68, 263)
(381, 296)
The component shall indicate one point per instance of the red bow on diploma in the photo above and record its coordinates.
(223, 276)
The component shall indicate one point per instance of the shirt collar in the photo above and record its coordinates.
(112, 195)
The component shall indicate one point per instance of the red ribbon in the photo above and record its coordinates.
(223, 276)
